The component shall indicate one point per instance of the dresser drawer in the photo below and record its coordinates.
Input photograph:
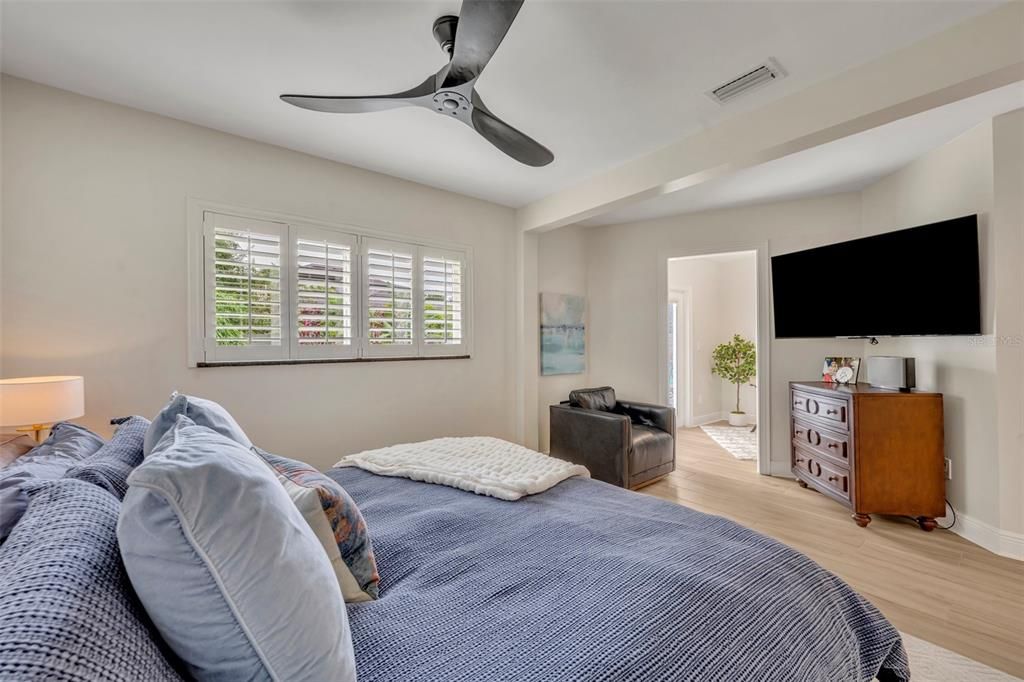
(835, 411)
(832, 445)
(823, 474)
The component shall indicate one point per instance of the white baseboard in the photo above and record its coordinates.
(781, 470)
(708, 418)
(1002, 542)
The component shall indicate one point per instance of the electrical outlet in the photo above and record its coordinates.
(949, 469)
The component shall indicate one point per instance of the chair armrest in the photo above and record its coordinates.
(647, 414)
(598, 440)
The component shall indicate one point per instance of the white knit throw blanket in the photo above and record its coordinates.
(486, 466)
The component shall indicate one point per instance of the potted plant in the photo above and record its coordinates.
(736, 362)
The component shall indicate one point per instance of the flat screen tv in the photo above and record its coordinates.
(924, 281)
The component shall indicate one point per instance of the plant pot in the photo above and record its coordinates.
(737, 419)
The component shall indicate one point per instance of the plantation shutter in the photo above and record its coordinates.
(389, 283)
(246, 265)
(324, 291)
(443, 299)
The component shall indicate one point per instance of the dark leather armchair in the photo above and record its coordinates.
(624, 443)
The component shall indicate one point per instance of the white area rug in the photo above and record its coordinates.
(740, 441)
(931, 663)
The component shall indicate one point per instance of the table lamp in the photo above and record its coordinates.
(36, 403)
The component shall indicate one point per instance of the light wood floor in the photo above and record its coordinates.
(936, 586)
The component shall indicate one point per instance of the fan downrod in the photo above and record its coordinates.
(444, 33)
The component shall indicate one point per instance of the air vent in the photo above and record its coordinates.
(761, 75)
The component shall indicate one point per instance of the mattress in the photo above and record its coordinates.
(587, 581)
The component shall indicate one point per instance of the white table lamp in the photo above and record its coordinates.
(36, 403)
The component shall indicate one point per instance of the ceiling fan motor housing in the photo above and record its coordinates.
(444, 33)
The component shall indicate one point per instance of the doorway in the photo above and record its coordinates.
(711, 352)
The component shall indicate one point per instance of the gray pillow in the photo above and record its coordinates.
(201, 411)
(67, 445)
(109, 466)
(67, 612)
(231, 574)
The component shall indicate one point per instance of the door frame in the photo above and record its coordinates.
(684, 330)
(762, 338)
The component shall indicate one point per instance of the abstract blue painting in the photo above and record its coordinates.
(563, 339)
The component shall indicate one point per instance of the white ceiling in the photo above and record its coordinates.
(846, 165)
(599, 83)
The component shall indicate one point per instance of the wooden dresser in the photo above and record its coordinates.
(874, 450)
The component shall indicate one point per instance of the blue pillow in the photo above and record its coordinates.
(67, 445)
(203, 412)
(232, 576)
(109, 466)
(67, 612)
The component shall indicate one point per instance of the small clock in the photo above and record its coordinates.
(843, 375)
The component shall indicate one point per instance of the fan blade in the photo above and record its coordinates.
(359, 105)
(519, 146)
(482, 26)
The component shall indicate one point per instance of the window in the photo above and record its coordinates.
(290, 291)
(323, 293)
(442, 299)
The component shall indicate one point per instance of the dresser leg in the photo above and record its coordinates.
(862, 520)
(927, 523)
(800, 482)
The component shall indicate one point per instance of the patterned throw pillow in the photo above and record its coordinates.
(336, 522)
(109, 466)
(67, 610)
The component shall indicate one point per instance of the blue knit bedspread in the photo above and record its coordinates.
(590, 582)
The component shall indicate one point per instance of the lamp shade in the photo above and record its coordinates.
(41, 400)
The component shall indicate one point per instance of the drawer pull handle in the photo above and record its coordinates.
(833, 446)
(800, 460)
(833, 479)
(831, 411)
(798, 432)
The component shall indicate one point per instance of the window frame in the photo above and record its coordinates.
(202, 349)
(444, 349)
(307, 352)
(211, 221)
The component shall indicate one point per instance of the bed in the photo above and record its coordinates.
(590, 582)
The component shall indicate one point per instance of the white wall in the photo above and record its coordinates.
(723, 299)
(701, 278)
(738, 284)
(94, 277)
(980, 377)
(953, 180)
(562, 269)
(623, 265)
(1007, 227)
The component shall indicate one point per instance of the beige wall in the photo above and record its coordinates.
(980, 377)
(953, 180)
(723, 301)
(623, 285)
(94, 277)
(562, 269)
(1007, 227)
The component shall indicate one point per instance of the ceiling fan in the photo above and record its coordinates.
(470, 41)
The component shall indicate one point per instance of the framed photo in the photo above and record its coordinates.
(839, 370)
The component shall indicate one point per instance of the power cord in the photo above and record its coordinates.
(914, 519)
(954, 517)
